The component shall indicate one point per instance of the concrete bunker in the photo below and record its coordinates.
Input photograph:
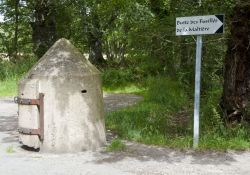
(60, 102)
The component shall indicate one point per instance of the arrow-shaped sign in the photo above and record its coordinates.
(200, 25)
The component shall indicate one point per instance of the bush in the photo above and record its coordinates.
(136, 70)
(117, 77)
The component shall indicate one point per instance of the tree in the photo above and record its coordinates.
(95, 36)
(92, 29)
(11, 11)
(44, 32)
(236, 89)
(98, 20)
(16, 28)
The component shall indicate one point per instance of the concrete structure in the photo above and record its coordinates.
(73, 102)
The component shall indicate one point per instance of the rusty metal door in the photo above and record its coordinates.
(31, 111)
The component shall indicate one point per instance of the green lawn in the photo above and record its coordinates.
(8, 87)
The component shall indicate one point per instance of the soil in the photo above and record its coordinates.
(137, 159)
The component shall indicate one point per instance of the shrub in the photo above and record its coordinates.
(117, 77)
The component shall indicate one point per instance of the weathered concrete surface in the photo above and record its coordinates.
(138, 159)
(73, 102)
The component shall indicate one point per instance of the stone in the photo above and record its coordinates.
(73, 101)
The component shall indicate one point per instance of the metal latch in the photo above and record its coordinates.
(40, 104)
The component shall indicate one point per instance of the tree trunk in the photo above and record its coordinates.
(44, 27)
(236, 89)
(95, 37)
(15, 44)
(92, 30)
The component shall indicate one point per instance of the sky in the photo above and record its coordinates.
(1, 18)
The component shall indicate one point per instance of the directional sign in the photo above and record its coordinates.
(200, 25)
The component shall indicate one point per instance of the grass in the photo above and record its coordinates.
(218, 142)
(132, 88)
(8, 87)
(10, 73)
(159, 115)
(10, 149)
(116, 145)
(164, 118)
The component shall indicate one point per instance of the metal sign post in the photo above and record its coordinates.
(197, 90)
(198, 25)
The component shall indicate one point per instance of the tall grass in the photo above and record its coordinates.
(165, 115)
(8, 87)
(10, 73)
(9, 70)
(155, 118)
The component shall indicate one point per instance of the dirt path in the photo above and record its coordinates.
(138, 159)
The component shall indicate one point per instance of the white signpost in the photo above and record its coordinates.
(199, 25)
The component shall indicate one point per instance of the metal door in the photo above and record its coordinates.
(30, 113)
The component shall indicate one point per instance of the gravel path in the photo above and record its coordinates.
(138, 159)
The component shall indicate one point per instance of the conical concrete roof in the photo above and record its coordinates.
(62, 60)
